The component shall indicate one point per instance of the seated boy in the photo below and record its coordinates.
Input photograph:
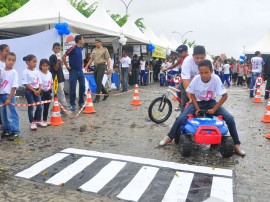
(203, 90)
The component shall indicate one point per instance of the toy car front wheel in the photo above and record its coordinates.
(185, 145)
(226, 147)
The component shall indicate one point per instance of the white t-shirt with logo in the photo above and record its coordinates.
(8, 80)
(189, 68)
(257, 63)
(2, 64)
(226, 68)
(46, 81)
(142, 65)
(126, 61)
(206, 91)
(31, 77)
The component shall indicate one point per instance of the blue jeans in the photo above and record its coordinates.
(205, 105)
(220, 76)
(226, 78)
(143, 78)
(125, 72)
(254, 76)
(10, 118)
(75, 76)
(32, 98)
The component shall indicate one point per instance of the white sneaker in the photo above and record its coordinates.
(165, 141)
(33, 126)
(41, 124)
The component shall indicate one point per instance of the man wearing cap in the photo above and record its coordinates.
(100, 56)
(183, 53)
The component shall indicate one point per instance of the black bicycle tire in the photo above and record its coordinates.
(157, 121)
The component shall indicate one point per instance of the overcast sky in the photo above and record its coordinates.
(222, 26)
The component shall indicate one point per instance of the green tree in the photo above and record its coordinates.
(83, 7)
(9, 6)
(139, 23)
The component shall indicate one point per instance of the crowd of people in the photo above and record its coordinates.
(201, 82)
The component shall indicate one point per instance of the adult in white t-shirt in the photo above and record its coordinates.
(189, 71)
(226, 71)
(126, 62)
(143, 78)
(257, 65)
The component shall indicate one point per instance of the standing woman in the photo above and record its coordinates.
(143, 79)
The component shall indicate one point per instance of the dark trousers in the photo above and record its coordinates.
(135, 76)
(46, 95)
(98, 74)
(155, 75)
(32, 98)
(267, 87)
(205, 105)
(240, 80)
(75, 76)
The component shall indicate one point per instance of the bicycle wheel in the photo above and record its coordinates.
(160, 110)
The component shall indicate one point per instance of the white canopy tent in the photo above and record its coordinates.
(130, 30)
(153, 38)
(40, 15)
(103, 21)
(263, 45)
(166, 41)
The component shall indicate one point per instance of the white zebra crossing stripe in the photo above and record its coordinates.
(103, 177)
(70, 171)
(42, 165)
(134, 190)
(132, 178)
(222, 189)
(179, 187)
(146, 161)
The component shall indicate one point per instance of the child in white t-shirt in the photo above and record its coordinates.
(31, 79)
(47, 82)
(143, 78)
(8, 86)
(204, 89)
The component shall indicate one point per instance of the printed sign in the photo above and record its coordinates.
(159, 52)
(259, 81)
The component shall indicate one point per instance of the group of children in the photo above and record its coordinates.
(38, 87)
(232, 74)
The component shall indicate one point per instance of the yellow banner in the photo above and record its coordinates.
(159, 52)
(55, 84)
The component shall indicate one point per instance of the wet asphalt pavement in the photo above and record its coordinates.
(120, 128)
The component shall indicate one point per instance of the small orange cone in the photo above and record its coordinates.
(136, 99)
(56, 119)
(258, 98)
(89, 107)
(266, 117)
(267, 136)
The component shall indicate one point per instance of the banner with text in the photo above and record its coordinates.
(159, 52)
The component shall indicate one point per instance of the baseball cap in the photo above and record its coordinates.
(182, 48)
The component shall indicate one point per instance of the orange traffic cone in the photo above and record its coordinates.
(89, 107)
(268, 136)
(258, 98)
(56, 119)
(136, 100)
(266, 117)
